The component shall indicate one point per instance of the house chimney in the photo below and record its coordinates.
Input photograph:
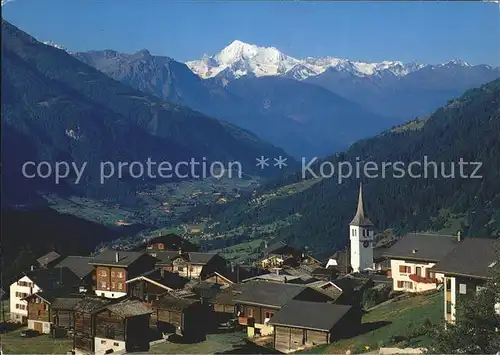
(414, 251)
(180, 251)
(277, 271)
(459, 236)
(32, 267)
(117, 257)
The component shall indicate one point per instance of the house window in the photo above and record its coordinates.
(161, 246)
(113, 285)
(120, 286)
(430, 274)
(112, 274)
(17, 306)
(250, 312)
(180, 268)
(405, 285)
(103, 284)
(120, 275)
(116, 344)
(404, 269)
(45, 307)
(191, 268)
(463, 289)
(418, 271)
(103, 273)
(103, 341)
(39, 312)
(448, 307)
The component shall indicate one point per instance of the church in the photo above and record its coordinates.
(359, 255)
(361, 234)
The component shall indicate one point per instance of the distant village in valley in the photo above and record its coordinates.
(166, 295)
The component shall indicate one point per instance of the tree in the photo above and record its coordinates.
(477, 328)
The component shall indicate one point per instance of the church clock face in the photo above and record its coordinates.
(366, 244)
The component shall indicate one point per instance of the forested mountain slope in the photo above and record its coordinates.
(467, 128)
(61, 109)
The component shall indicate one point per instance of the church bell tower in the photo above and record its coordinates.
(361, 237)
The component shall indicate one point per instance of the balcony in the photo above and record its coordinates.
(424, 280)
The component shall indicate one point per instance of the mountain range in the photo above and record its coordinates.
(56, 108)
(389, 88)
(309, 107)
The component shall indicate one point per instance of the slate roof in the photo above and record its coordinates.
(50, 295)
(310, 315)
(90, 304)
(226, 296)
(48, 258)
(427, 247)
(279, 248)
(48, 279)
(129, 308)
(66, 303)
(173, 303)
(268, 293)
(471, 257)
(108, 257)
(164, 257)
(78, 264)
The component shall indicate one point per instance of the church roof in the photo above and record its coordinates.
(360, 220)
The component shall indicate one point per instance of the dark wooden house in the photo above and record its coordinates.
(258, 301)
(85, 322)
(122, 326)
(302, 324)
(39, 312)
(63, 314)
(154, 284)
(113, 269)
(181, 316)
(191, 265)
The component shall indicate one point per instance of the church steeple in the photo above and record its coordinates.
(360, 220)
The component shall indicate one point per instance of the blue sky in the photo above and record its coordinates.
(427, 32)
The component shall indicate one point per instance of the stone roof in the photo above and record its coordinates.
(109, 257)
(129, 308)
(48, 258)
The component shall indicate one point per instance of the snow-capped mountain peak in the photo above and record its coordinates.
(240, 59)
(55, 45)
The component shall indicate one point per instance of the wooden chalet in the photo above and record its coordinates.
(39, 312)
(302, 324)
(191, 265)
(170, 242)
(113, 269)
(122, 326)
(63, 314)
(153, 284)
(258, 301)
(85, 323)
(181, 316)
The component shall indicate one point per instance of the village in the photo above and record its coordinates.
(167, 291)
